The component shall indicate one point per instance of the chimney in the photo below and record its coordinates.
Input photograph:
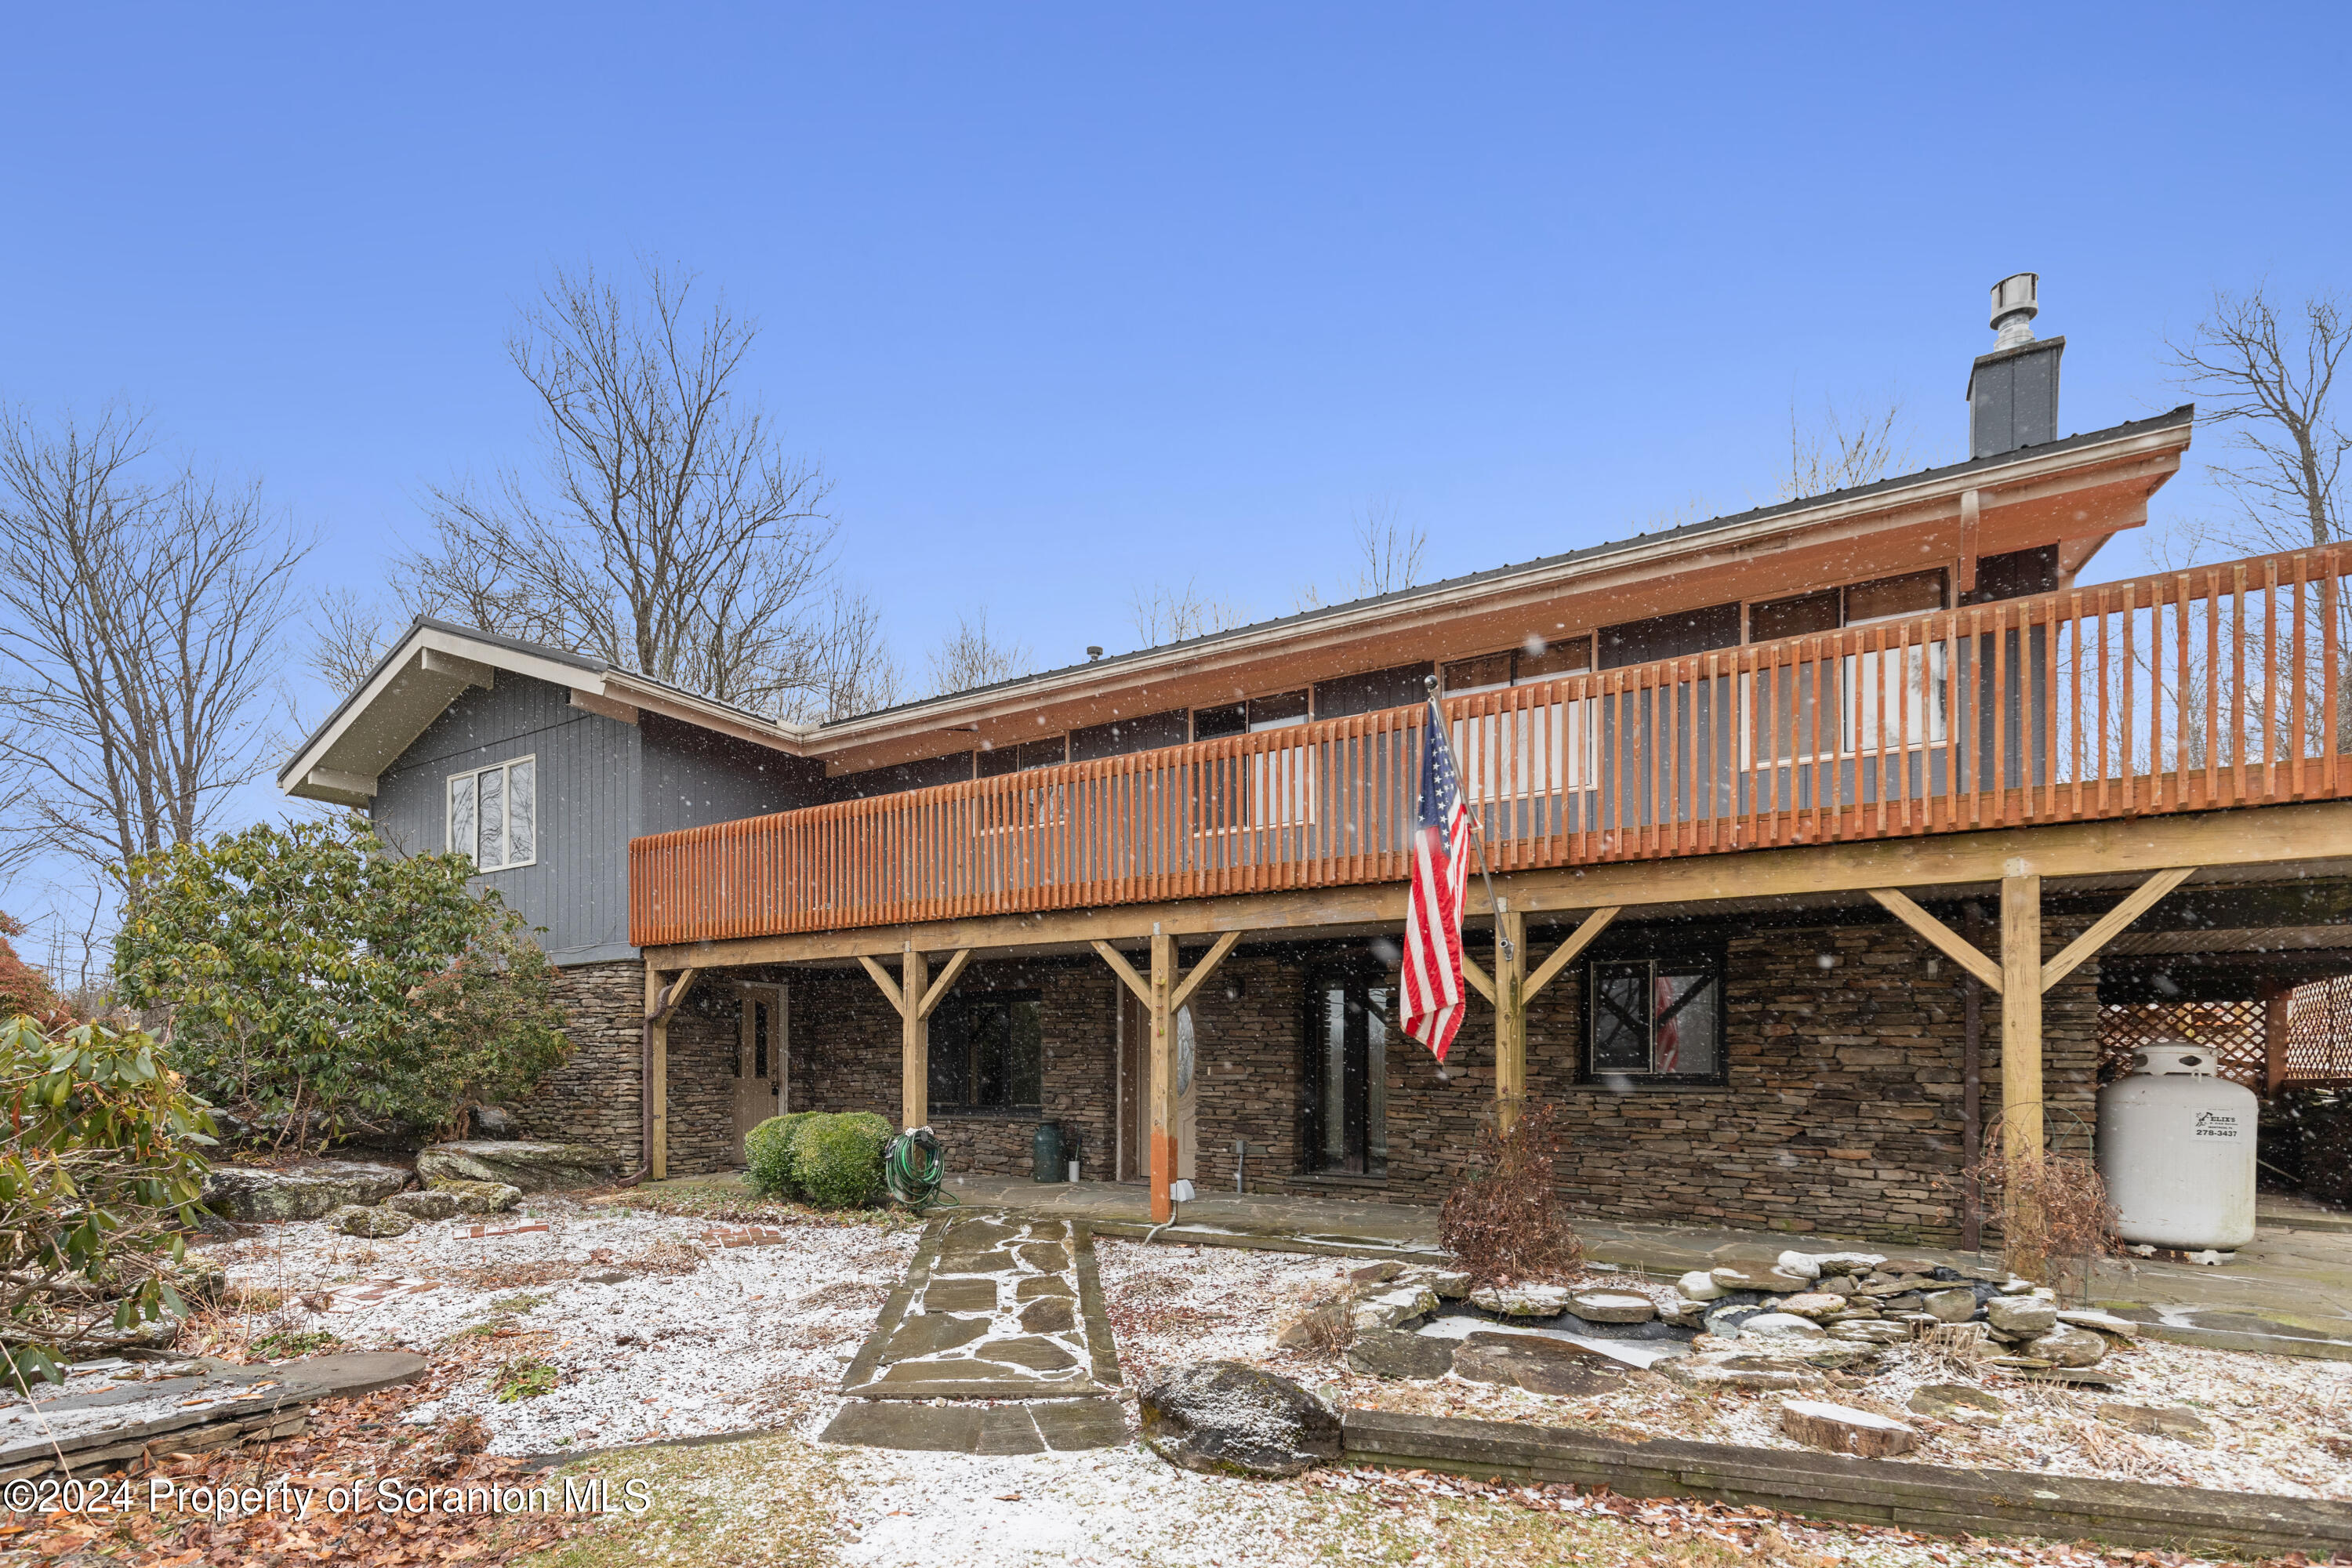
(2013, 391)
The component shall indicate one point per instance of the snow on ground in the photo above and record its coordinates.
(653, 1331)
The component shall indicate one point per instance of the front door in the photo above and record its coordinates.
(760, 1079)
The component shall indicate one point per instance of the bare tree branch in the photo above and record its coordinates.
(667, 531)
(140, 636)
(348, 635)
(2273, 382)
(1838, 451)
(1388, 557)
(1164, 615)
(855, 672)
(972, 656)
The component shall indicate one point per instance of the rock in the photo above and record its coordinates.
(2015, 1362)
(1684, 1312)
(1449, 1286)
(260, 1197)
(1779, 1323)
(1815, 1304)
(1392, 1309)
(1386, 1352)
(1922, 1268)
(1376, 1273)
(1842, 1429)
(356, 1219)
(1221, 1417)
(2180, 1425)
(533, 1167)
(605, 1276)
(1705, 1372)
(1771, 1281)
(1956, 1402)
(1540, 1365)
(1803, 1264)
(2077, 1376)
(1949, 1306)
(477, 1198)
(1871, 1332)
(491, 1122)
(1699, 1284)
(1838, 1285)
(422, 1206)
(2021, 1315)
(2102, 1322)
(2066, 1345)
(1521, 1301)
(1847, 1262)
(1612, 1307)
(1911, 1301)
(1827, 1354)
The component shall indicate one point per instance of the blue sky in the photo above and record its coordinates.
(1069, 301)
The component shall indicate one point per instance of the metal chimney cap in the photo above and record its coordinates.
(2015, 303)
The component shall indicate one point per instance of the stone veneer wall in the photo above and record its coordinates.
(844, 1046)
(703, 1037)
(593, 1097)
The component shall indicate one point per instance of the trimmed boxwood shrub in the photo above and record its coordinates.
(768, 1152)
(838, 1160)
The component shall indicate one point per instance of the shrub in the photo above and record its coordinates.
(1506, 1223)
(838, 1160)
(768, 1152)
(315, 976)
(102, 1171)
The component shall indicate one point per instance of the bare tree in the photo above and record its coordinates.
(2272, 382)
(665, 531)
(1389, 553)
(1164, 615)
(972, 656)
(855, 672)
(140, 635)
(1839, 451)
(348, 635)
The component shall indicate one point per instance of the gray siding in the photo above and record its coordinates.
(589, 807)
(694, 777)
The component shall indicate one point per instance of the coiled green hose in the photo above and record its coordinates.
(911, 1169)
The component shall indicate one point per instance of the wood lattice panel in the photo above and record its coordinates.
(2319, 1034)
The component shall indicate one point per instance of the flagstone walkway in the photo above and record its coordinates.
(994, 1308)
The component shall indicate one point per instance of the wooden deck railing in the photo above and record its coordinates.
(2220, 686)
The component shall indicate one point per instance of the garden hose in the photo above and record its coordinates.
(911, 1169)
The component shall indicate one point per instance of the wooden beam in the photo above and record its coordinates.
(889, 986)
(1480, 981)
(1565, 954)
(1951, 943)
(1163, 1075)
(2251, 836)
(1971, 510)
(2278, 1008)
(2020, 1015)
(1125, 971)
(1511, 1016)
(914, 1042)
(2111, 924)
(946, 982)
(656, 1087)
(1202, 970)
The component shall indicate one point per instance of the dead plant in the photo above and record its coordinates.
(1957, 1347)
(465, 1434)
(2054, 1214)
(666, 1256)
(1506, 1223)
(1320, 1322)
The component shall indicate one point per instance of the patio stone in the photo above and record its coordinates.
(1037, 1354)
(931, 1333)
(976, 1294)
(1049, 1315)
(1040, 1285)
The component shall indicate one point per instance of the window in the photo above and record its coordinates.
(494, 815)
(1346, 1073)
(988, 1053)
(1659, 1018)
(1492, 671)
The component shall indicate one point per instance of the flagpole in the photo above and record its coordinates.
(1478, 822)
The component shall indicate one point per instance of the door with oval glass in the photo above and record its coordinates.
(762, 1083)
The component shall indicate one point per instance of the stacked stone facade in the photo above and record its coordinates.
(1840, 1112)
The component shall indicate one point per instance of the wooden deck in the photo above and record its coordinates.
(2219, 687)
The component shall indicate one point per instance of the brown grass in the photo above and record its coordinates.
(1506, 1223)
(2054, 1215)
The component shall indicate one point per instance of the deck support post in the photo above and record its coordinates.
(915, 995)
(1511, 1016)
(2021, 1033)
(661, 1001)
(1162, 996)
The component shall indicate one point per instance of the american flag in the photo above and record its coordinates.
(1432, 988)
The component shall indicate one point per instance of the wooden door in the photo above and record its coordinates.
(759, 1061)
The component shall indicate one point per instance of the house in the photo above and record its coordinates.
(1823, 839)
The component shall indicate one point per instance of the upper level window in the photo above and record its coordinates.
(494, 815)
(1520, 667)
(995, 762)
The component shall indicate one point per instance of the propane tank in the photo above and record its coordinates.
(2176, 1151)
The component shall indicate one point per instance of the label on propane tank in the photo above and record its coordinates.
(2217, 1124)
